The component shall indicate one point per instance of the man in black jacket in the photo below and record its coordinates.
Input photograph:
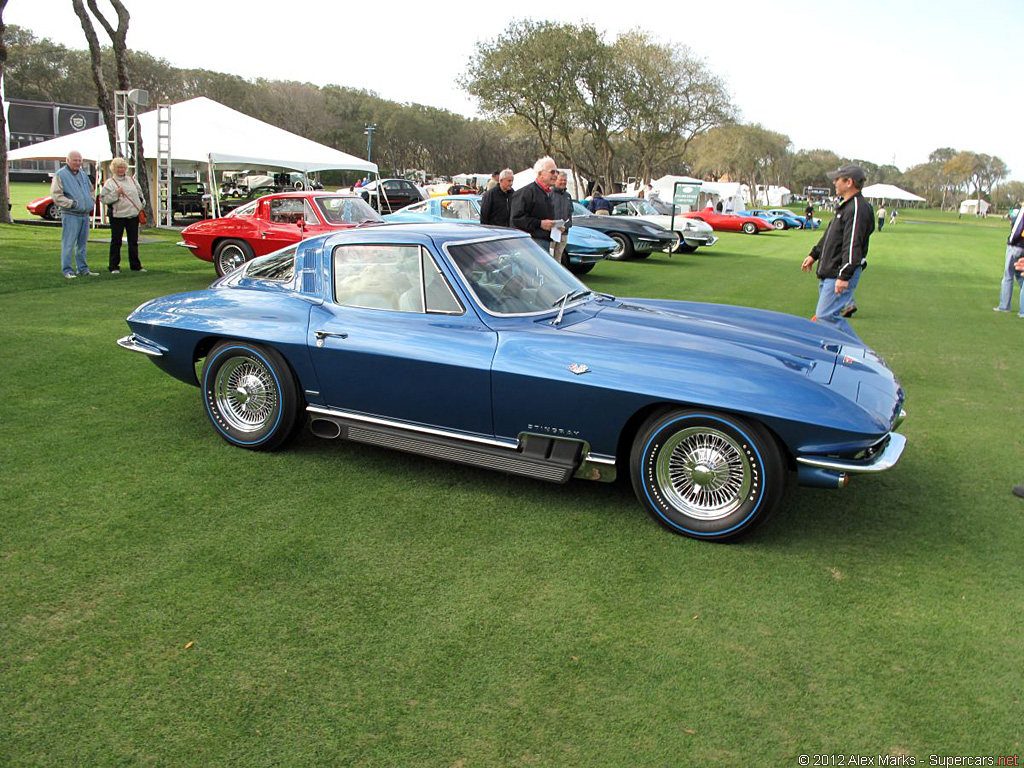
(496, 204)
(842, 251)
(531, 205)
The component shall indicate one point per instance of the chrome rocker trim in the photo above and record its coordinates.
(542, 457)
(135, 343)
(884, 460)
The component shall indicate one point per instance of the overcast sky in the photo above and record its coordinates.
(887, 82)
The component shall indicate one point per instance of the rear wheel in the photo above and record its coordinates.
(230, 255)
(53, 212)
(779, 224)
(706, 475)
(750, 228)
(250, 395)
(623, 247)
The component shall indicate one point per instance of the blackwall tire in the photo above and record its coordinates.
(230, 255)
(706, 475)
(623, 247)
(250, 395)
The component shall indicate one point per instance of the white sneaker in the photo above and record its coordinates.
(70, 275)
(115, 271)
(90, 273)
(142, 269)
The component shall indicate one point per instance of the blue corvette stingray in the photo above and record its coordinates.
(470, 344)
(585, 246)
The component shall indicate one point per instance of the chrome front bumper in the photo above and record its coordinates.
(881, 461)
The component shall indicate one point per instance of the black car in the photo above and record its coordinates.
(228, 204)
(398, 193)
(189, 199)
(633, 238)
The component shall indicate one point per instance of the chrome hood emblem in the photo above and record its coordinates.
(578, 368)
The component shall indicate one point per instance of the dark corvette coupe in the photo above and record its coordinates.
(471, 344)
(633, 237)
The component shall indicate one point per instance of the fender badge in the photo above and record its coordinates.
(578, 368)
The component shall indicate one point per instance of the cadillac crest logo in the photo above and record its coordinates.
(578, 368)
(78, 121)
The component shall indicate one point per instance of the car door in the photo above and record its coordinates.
(281, 221)
(396, 342)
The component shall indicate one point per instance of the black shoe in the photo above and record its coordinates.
(1018, 490)
(848, 310)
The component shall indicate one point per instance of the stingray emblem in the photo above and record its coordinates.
(578, 368)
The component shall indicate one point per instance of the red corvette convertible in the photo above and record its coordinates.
(272, 222)
(729, 222)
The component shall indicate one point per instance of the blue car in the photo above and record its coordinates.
(780, 219)
(470, 344)
(584, 246)
(815, 222)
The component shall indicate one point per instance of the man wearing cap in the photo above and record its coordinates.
(842, 251)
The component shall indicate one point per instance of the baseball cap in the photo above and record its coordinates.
(849, 171)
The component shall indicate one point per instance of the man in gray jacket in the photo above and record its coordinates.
(71, 191)
(561, 203)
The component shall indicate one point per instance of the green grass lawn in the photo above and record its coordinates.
(167, 599)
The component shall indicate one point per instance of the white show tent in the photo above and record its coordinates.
(890, 192)
(732, 196)
(478, 180)
(974, 207)
(773, 196)
(205, 133)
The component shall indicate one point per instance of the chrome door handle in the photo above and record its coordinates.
(321, 335)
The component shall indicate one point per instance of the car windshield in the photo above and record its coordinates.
(346, 210)
(513, 276)
(579, 210)
(645, 208)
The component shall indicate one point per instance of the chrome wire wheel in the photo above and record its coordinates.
(246, 394)
(779, 224)
(230, 258)
(704, 473)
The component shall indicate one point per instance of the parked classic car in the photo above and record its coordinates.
(45, 207)
(471, 344)
(815, 222)
(398, 193)
(633, 238)
(691, 233)
(585, 247)
(730, 222)
(778, 220)
(271, 222)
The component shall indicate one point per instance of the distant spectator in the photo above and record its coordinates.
(496, 204)
(358, 184)
(531, 205)
(880, 213)
(71, 191)
(809, 215)
(598, 204)
(893, 216)
(718, 206)
(124, 196)
(493, 182)
(1014, 266)
(561, 204)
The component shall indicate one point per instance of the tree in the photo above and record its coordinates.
(966, 170)
(5, 193)
(669, 97)
(118, 38)
(103, 99)
(748, 154)
(809, 166)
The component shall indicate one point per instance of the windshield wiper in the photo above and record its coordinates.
(562, 301)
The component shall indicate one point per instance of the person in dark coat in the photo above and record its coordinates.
(496, 204)
(561, 204)
(531, 205)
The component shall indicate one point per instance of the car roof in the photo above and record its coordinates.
(415, 233)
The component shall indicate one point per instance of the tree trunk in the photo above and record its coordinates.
(5, 192)
(102, 95)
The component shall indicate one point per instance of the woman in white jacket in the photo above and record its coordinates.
(125, 195)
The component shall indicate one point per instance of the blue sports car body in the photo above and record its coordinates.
(585, 246)
(471, 344)
(779, 219)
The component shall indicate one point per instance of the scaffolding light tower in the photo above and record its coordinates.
(164, 167)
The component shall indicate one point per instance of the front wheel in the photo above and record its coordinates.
(683, 247)
(230, 255)
(750, 228)
(706, 475)
(623, 247)
(250, 395)
(779, 224)
(581, 269)
(53, 212)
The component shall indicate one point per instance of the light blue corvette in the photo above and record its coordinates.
(780, 219)
(585, 246)
(470, 344)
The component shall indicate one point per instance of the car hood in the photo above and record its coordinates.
(617, 224)
(753, 335)
(681, 223)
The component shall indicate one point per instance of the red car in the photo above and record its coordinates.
(729, 222)
(45, 207)
(273, 222)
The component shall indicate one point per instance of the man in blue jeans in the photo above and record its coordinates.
(1011, 272)
(842, 251)
(71, 191)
